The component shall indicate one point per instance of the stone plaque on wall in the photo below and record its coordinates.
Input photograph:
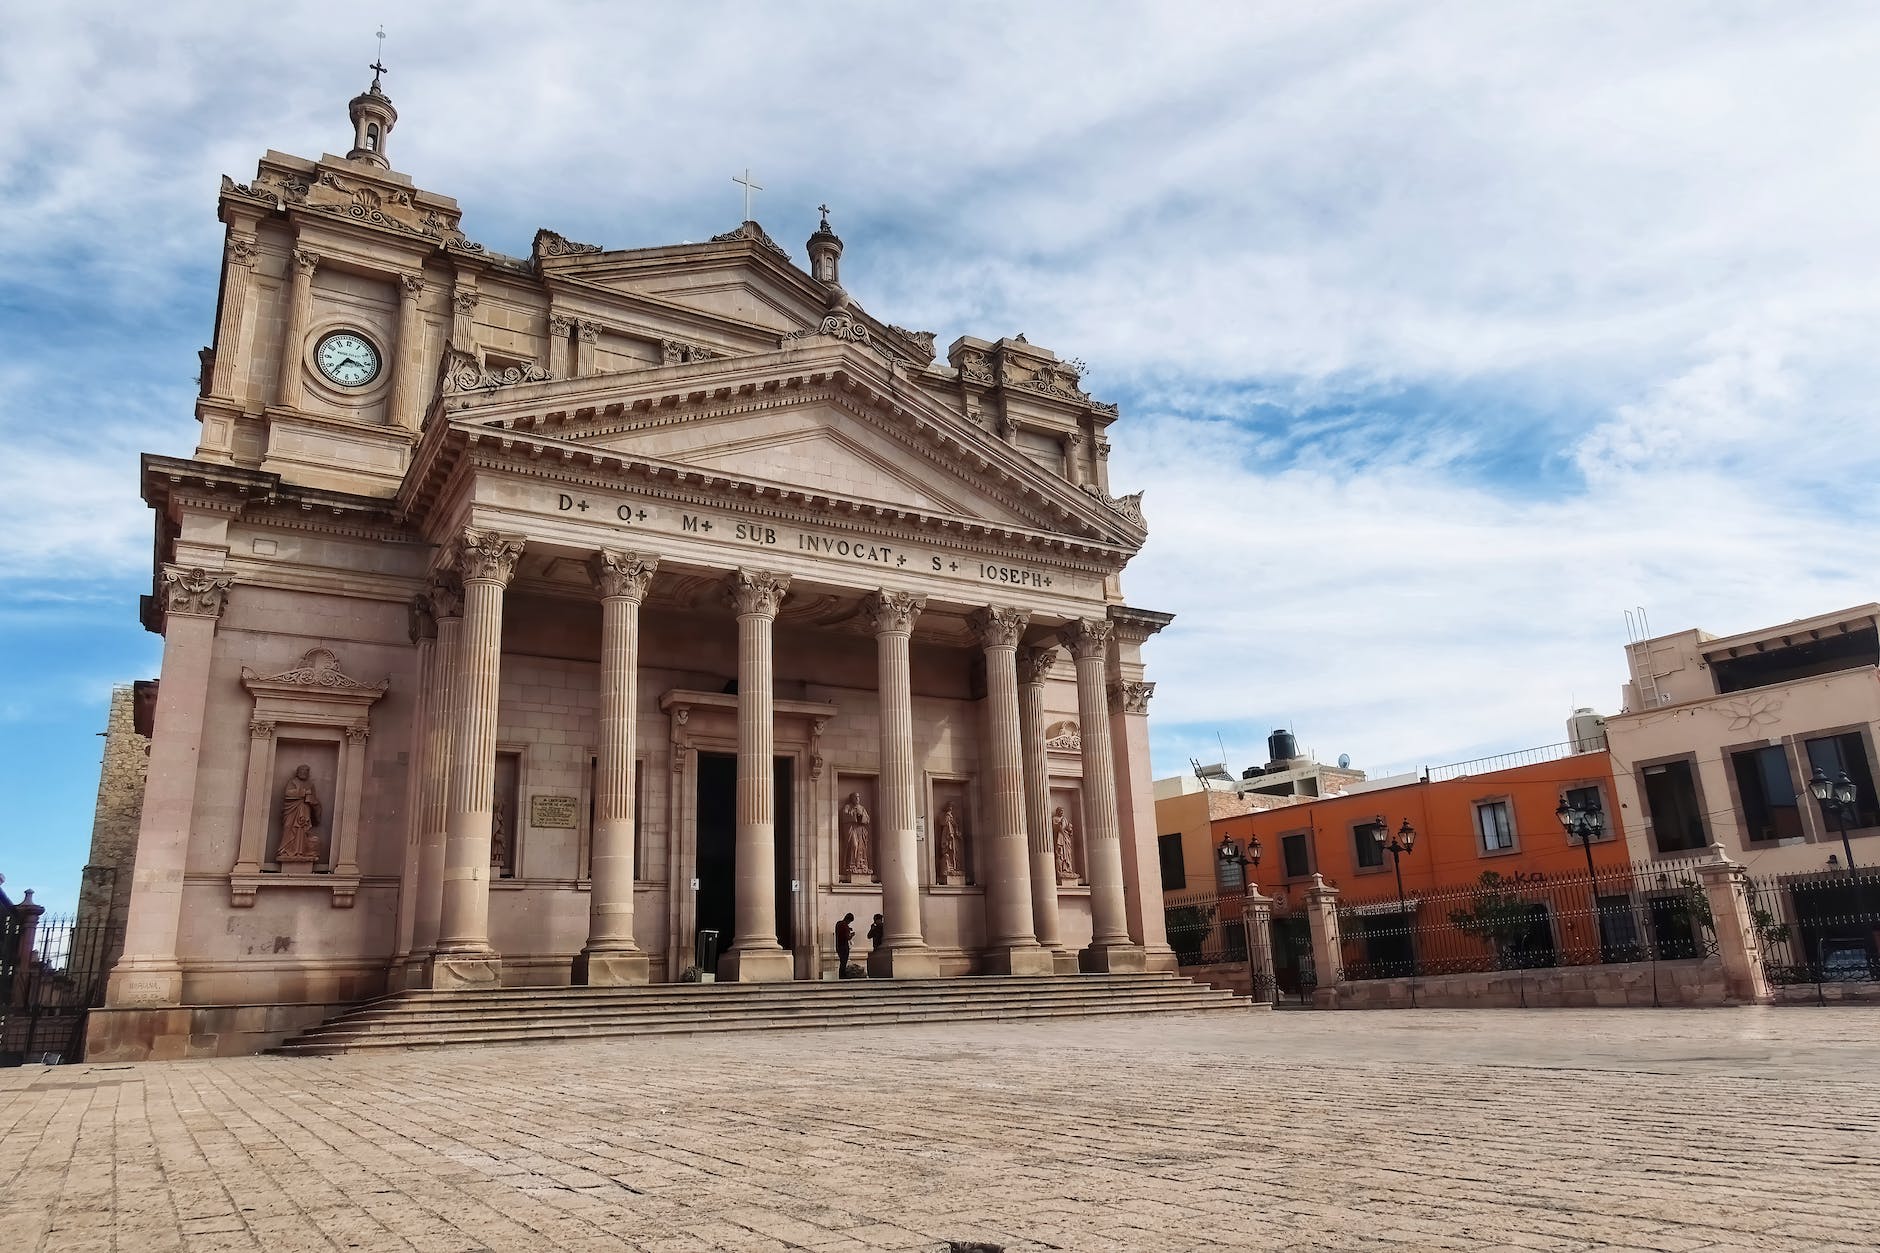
(553, 811)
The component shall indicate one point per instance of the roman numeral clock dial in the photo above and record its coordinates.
(348, 359)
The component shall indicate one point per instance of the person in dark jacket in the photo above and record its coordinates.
(876, 933)
(845, 936)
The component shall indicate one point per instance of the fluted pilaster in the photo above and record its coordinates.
(293, 344)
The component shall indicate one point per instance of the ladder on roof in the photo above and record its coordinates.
(1639, 650)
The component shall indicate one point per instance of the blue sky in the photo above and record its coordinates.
(1443, 333)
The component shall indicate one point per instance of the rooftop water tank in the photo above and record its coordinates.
(1281, 746)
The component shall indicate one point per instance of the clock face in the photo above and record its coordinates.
(348, 359)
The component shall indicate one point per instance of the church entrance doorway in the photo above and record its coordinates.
(717, 847)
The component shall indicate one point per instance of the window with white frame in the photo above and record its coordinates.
(1494, 823)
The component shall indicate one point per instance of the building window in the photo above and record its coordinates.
(1766, 788)
(1365, 837)
(1296, 850)
(1671, 797)
(1174, 873)
(1494, 823)
(1835, 755)
(1589, 797)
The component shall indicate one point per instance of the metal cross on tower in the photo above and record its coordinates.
(378, 66)
(749, 187)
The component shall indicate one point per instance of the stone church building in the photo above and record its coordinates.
(526, 619)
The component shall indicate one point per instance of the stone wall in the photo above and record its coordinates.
(104, 892)
(1678, 983)
(1824, 993)
(127, 1035)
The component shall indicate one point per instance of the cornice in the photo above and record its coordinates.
(1137, 625)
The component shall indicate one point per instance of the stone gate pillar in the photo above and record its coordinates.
(1328, 951)
(1726, 888)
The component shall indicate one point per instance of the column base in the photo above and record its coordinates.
(464, 972)
(757, 965)
(1161, 960)
(1112, 959)
(912, 962)
(1020, 961)
(1064, 961)
(137, 984)
(612, 970)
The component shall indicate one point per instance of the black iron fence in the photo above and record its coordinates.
(1648, 912)
(1818, 927)
(1210, 929)
(52, 974)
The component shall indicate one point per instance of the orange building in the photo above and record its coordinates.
(1497, 814)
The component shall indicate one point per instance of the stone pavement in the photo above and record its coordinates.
(1669, 1130)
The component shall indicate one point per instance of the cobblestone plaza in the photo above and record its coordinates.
(1560, 1130)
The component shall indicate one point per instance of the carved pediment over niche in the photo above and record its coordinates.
(1064, 737)
(318, 671)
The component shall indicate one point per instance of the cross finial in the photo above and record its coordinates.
(824, 210)
(749, 187)
(378, 65)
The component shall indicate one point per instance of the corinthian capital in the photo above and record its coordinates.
(893, 611)
(444, 593)
(998, 626)
(588, 331)
(757, 591)
(1130, 698)
(193, 593)
(1034, 664)
(1087, 637)
(306, 260)
(488, 556)
(411, 284)
(622, 574)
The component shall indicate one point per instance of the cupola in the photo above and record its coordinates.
(825, 253)
(373, 118)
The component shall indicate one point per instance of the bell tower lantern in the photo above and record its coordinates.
(372, 117)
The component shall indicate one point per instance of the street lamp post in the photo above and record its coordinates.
(1586, 822)
(1397, 844)
(1230, 854)
(1837, 799)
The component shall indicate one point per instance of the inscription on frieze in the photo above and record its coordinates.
(839, 543)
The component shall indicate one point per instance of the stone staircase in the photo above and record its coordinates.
(412, 1020)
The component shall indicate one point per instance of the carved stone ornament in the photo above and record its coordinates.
(975, 367)
(1130, 698)
(306, 260)
(465, 302)
(679, 352)
(757, 591)
(1064, 737)
(194, 593)
(422, 622)
(318, 668)
(444, 593)
(922, 340)
(242, 249)
(552, 244)
(1034, 664)
(622, 574)
(1050, 380)
(464, 373)
(998, 627)
(1103, 445)
(590, 332)
(893, 611)
(752, 231)
(358, 735)
(411, 284)
(488, 556)
(560, 326)
(1087, 637)
(261, 730)
(1130, 507)
(839, 324)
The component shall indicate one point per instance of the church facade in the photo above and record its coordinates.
(612, 617)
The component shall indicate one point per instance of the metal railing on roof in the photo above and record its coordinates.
(1520, 757)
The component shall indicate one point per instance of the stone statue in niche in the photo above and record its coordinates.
(300, 814)
(499, 840)
(857, 838)
(1062, 833)
(950, 847)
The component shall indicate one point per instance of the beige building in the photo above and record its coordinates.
(1719, 737)
(526, 617)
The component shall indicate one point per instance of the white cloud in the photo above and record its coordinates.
(1445, 332)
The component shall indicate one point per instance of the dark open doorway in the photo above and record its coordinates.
(717, 848)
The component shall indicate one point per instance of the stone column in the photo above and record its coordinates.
(443, 714)
(1011, 946)
(1135, 811)
(1110, 947)
(611, 956)
(1328, 947)
(423, 630)
(148, 972)
(408, 365)
(291, 384)
(1726, 887)
(235, 329)
(903, 953)
(464, 956)
(1034, 667)
(1074, 459)
(1257, 913)
(755, 955)
(586, 336)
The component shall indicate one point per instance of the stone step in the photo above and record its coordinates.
(310, 1045)
(428, 1019)
(490, 1018)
